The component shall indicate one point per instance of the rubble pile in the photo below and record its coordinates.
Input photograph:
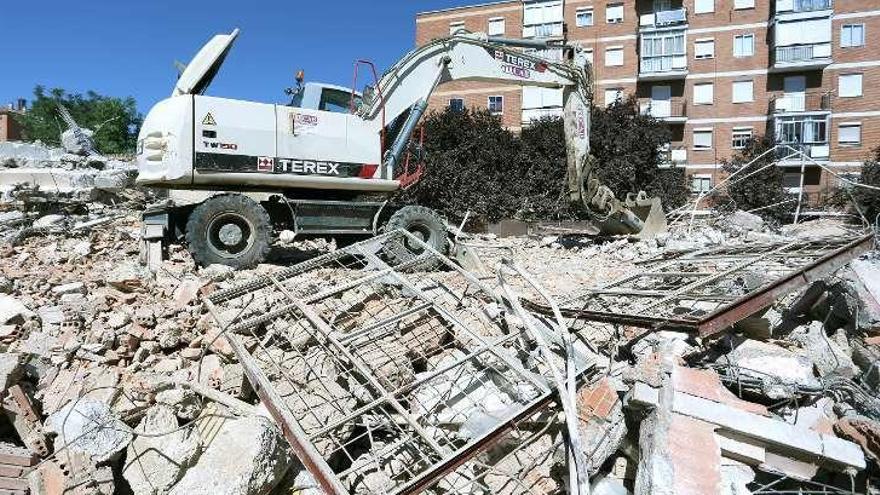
(49, 190)
(345, 374)
(34, 177)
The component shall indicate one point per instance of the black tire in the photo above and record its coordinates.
(425, 224)
(229, 229)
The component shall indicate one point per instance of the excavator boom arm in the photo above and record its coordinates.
(406, 88)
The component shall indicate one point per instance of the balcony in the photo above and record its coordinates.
(663, 54)
(664, 19)
(551, 30)
(814, 55)
(799, 6)
(819, 151)
(673, 156)
(801, 102)
(807, 133)
(671, 111)
(663, 67)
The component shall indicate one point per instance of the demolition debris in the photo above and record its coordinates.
(734, 359)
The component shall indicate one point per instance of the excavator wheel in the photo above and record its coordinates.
(229, 229)
(423, 223)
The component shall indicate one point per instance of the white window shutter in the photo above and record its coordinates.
(850, 134)
(743, 91)
(704, 6)
(704, 49)
(702, 139)
(850, 85)
(704, 93)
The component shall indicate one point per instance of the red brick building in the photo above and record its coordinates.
(10, 130)
(717, 71)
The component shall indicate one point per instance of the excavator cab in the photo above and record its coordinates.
(324, 97)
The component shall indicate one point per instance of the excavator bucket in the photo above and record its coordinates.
(650, 212)
(640, 217)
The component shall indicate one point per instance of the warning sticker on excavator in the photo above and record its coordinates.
(209, 120)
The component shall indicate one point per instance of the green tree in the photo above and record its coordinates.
(626, 144)
(474, 164)
(469, 164)
(758, 183)
(869, 199)
(115, 120)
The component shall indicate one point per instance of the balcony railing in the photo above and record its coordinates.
(795, 6)
(663, 63)
(801, 102)
(803, 53)
(663, 18)
(665, 109)
(817, 151)
(673, 155)
(546, 30)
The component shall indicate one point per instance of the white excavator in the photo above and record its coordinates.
(324, 165)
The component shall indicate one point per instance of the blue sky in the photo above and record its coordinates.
(127, 47)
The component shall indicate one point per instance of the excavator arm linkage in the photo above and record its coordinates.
(407, 86)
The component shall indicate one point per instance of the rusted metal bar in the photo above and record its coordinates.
(725, 316)
(752, 303)
(297, 438)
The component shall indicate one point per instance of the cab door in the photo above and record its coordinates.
(327, 141)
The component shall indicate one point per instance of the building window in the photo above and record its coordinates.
(613, 95)
(455, 27)
(704, 93)
(852, 35)
(542, 19)
(456, 104)
(850, 134)
(614, 56)
(663, 53)
(704, 6)
(792, 177)
(496, 26)
(744, 45)
(701, 183)
(496, 105)
(802, 130)
(849, 85)
(584, 17)
(702, 139)
(614, 13)
(743, 4)
(743, 91)
(741, 137)
(704, 49)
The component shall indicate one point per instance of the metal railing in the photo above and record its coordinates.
(803, 53)
(663, 63)
(809, 6)
(663, 18)
(662, 109)
(673, 155)
(801, 102)
(819, 151)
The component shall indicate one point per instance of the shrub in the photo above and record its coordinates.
(474, 164)
(868, 199)
(753, 189)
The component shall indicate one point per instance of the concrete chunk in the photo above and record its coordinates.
(247, 457)
(88, 426)
(783, 436)
(154, 463)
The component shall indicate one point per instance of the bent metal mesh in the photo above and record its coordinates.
(393, 379)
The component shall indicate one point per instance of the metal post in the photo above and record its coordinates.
(797, 212)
